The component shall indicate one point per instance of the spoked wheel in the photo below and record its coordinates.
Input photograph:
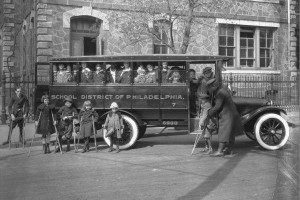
(130, 133)
(271, 131)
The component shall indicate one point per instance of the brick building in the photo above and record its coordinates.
(262, 36)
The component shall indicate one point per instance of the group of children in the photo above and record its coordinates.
(46, 123)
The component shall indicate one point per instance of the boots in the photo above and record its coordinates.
(68, 145)
(48, 148)
(111, 146)
(220, 151)
(86, 145)
(118, 150)
(44, 148)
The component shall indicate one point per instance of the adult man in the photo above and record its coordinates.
(112, 73)
(229, 122)
(18, 109)
(125, 75)
(165, 73)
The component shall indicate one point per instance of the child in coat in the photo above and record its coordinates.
(66, 114)
(45, 122)
(87, 116)
(114, 126)
(210, 126)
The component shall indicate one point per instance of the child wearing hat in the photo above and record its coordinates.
(45, 122)
(114, 126)
(210, 126)
(87, 116)
(66, 114)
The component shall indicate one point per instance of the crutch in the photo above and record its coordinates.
(23, 133)
(96, 149)
(74, 135)
(57, 135)
(10, 133)
(200, 136)
(34, 135)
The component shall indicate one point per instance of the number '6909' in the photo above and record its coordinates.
(170, 122)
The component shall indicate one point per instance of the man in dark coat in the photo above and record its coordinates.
(18, 109)
(112, 74)
(125, 76)
(228, 117)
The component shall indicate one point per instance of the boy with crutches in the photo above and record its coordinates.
(66, 114)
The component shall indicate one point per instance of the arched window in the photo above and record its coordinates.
(84, 35)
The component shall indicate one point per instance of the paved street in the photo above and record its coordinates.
(159, 167)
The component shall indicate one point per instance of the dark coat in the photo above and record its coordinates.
(125, 77)
(66, 126)
(86, 122)
(109, 78)
(114, 121)
(18, 104)
(99, 78)
(228, 117)
(165, 75)
(44, 117)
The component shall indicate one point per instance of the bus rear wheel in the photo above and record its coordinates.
(129, 136)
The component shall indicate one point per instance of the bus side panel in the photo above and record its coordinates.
(174, 97)
(97, 95)
(145, 97)
(58, 94)
(120, 95)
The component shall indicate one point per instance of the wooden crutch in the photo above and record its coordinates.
(34, 134)
(96, 149)
(57, 135)
(200, 136)
(10, 133)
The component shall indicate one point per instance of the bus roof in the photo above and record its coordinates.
(142, 58)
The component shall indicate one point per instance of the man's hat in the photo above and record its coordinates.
(69, 99)
(207, 70)
(44, 97)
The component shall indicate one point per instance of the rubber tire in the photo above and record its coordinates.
(133, 135)
(284, 126)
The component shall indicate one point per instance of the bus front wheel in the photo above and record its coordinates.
(130, 133)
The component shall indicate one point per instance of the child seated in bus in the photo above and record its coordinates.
(175, 77)
(63, 75)
(99, 74)
(152, 75)
(206, 124)
(141, 77)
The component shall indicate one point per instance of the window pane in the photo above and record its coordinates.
(222, 51)
(262, 53)
(230, 62)
(230, 51)
(251, 43)
(262, 33)
(230, 31)
(250, 63)
(243, 43)
(262, 62)
(243, 53)
(243, 62)
(230, 41)
(262, 42)
(250, 53)
(222, 30)
(270, 33)
(222, 40)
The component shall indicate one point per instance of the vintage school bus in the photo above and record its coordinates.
(151, 90)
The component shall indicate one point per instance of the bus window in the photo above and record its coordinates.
(145, 73)
(62, 75)
(99, 74)
(173, 73)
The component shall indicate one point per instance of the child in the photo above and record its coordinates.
(66, 114)
(141, 77)
(205, 106)
(114, 126)
(63, 75)
(45, 122)
(175, 77)
(85, 117)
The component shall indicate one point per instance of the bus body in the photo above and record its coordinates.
(157, 100)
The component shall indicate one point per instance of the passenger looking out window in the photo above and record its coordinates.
(152, 74)
(141, 76)
(125, 75)
(63, 75)
(99, 75)
(165, 73)
(112, 73)
(86, 74)
(175, 77)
